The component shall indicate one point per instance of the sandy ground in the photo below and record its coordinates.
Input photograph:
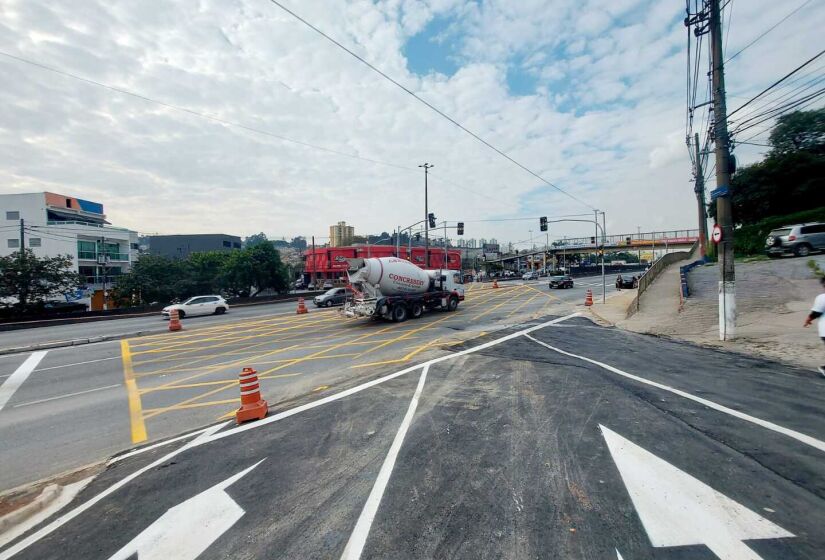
(773, 299)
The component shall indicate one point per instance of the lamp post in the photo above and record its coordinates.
(427, 168)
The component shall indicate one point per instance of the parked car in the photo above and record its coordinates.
(530, 276)
(799, 239)
(561, 281)
(335, 296)
(623, 283)
(198, 305)
(327, 285)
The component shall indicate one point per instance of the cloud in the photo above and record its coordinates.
(606, 119)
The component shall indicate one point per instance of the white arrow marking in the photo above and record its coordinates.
(189, 528)
(679, 510)
(619, 555)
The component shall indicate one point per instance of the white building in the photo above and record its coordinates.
(55, 224)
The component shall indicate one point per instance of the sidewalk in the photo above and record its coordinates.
(773, 298)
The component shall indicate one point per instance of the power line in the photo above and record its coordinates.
(428, 104)
(740, 51)
(768, 115)
(226, 122)
(777, 82)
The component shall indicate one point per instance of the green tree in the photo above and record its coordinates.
(31, 280)
(800, 130)
(155, 278)
(255, 239)
(205, 272)
(254, 269)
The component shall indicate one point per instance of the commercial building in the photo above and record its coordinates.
(181, 246)
(56, 224)
(330, 263)
(341, 235)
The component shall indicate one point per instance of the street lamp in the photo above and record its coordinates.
(427, 168)
(377, 241)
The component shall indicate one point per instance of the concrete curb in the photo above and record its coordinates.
(76, 341)
(49, 494)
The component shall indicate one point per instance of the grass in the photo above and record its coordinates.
(814, 266)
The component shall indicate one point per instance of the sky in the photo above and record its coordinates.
(588, 94)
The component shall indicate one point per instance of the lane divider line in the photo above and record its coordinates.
(78, 393)
(358, 538)
(16, 379)
(135, 408)
(804, 438)
(212, 434)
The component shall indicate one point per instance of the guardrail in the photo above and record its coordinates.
(653, 272)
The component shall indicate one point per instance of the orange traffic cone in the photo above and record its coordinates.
(495, 283)
(302, 308)
(253, 407)
(588, 299)
(174, 320)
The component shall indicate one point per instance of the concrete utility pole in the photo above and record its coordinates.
(22, 243)
(427, 168)
(699, 189)
(314, 266)
(727, 282)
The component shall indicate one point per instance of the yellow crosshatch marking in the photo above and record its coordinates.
(196, 369)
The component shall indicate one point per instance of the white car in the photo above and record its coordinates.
(198, 305)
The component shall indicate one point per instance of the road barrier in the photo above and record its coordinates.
(302, 308)
(174, 321)
(253, 407)
(588, 298)
(495, 283)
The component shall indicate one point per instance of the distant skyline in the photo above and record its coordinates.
(591, 95)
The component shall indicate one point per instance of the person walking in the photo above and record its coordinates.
(816, 315)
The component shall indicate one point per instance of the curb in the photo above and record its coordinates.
(76, 342)
(49, 494)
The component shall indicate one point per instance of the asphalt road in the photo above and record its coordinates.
(79, 405)
(547, 439)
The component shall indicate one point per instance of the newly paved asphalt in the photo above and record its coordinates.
(82, 404)
(546, 439)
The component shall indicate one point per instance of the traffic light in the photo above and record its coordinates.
(417, 237)
(460, 228)
(627, 240)
(592, 240)
(543, 223)
(431, 218)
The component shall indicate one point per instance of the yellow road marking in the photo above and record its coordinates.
(321, 388)
(135, 414)
(192, 405)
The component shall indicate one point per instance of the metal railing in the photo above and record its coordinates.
(79, 223)
(650, 275)
(92, 256)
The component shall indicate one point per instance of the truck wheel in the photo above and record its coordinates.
(399, 313)
(452, 304)
(417, 310)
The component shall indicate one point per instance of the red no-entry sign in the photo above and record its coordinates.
(716, 236)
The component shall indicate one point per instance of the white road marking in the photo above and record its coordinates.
(77, 363)
(210, 434)
(618, 555)
(676, 509)
(156, 445)
(358, 538)
(185, 531)
(68, 395)
(799, 436)
(68, 516)
(20, 375)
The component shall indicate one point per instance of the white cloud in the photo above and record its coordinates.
(606, 122)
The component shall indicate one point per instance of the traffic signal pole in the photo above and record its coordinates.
(724, 217)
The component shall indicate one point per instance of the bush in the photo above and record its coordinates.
(750, 239)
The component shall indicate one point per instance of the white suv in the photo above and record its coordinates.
(798, 239)
(198, 305)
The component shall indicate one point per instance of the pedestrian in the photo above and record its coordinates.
(619, 282)
(816, 315)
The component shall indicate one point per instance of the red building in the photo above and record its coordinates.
(331, 262)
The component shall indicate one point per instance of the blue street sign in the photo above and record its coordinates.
(719, 191)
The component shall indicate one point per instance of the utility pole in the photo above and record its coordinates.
(426, 167)
(699, 189)
(639, 237)
(22, 243)
(727, 282)
(314, 266)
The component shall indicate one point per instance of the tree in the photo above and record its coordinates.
(205, 272)
(31, 279)
(801, 130)
(255, 239)
(255, 268)
(155, 278)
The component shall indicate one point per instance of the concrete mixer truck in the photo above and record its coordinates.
(395, 289)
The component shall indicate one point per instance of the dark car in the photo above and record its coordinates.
(57, 307)
(623, 283)
(335, 296)
(561, 281)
